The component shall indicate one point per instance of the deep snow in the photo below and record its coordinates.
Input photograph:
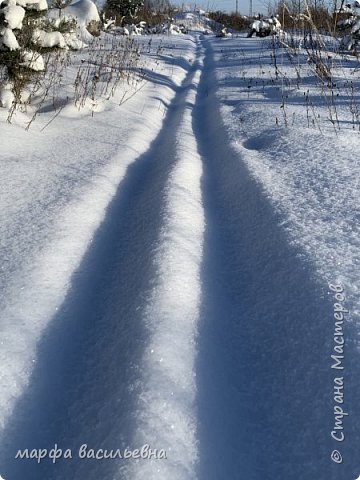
(166, 269)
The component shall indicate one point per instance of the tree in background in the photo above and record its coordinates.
(157, 5)
(154, 12)
(124, 11)
(234, 20)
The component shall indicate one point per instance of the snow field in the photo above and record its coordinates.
(308, 172)
(51, 207)
(266, 328)
(166, 272)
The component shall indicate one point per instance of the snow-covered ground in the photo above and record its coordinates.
(166, 267)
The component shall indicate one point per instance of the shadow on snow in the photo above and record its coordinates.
(86, 378)
(265, 383)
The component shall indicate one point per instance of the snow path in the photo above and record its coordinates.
(165, 412)
(265, 386)
(192, 323)
(43, 270)
(145, 260)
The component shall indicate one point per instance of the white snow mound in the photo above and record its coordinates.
(6, 100)
(9, 40)
(49, 39)
(33, 61)
(83, 11)
(14, 15)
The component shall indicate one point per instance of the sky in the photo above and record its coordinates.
(228, 5)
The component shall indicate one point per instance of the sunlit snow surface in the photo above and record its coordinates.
(311, 173)
(165, 270)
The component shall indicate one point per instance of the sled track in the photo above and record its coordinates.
(88, 378)
(264, 338)
(185, 325)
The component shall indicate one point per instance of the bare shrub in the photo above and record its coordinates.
(234, 20)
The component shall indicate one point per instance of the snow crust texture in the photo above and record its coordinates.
(165, 275)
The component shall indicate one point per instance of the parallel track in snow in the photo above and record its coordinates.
(181, 329)
(116, 366)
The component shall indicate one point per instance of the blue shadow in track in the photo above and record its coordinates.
(86, 378)
(265, 383)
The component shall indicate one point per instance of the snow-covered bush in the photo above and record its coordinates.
(167, 28)
(265, 27)
(83, 13)
(25, 33)
(171, 28)
(29, 32)
(224, 32)
(20, 56)
(349, 24)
